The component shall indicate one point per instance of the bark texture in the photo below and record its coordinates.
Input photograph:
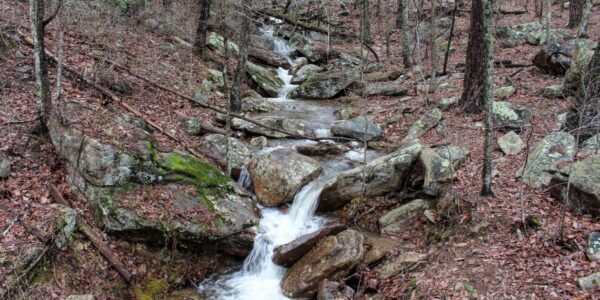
(488, 84)
(473, 92)
(240, 72)
(43, 100)
(203, 16)
(575, 12)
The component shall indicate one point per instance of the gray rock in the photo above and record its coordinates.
(516, 34)
(552, 91)
(215, 146)
(552, 149)
(191, 125)
(265, 79)
(424, 124)
(591, 145)
(279, 175)
(504, 93)
(325, 85)
(593, 246)
(322, 148)
(256, 103)
(385, 89)
(304, 72)
(5, 167)
(24, 69)
(384, 174)
(584, 179)
(511, 116)
(81, 297)
(511, 143)
(286, 255)
(217, 77)
(313, 50)
(298, 64)
(374, 67)
(447, 103)
(217, 43)
(259, 142)
(333, 258)
(397, 264)
(440, 167)
(582, 55)
(590, 282)
(289, 125)
(396, 220)
(333, 290)
(360, 128)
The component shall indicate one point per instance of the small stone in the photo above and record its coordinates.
(504, 93)
(24, 69)
(511, 143)
(446, 103)
(259, 142)
(4, 167)
(593, 246)
(552, 91)
(590, 282)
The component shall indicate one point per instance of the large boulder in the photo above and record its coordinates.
(398, 219)
(591, 145)
(217, 43)
(582, 55)
(4, 167)
(216, 146)
(254, 102)
(333, 258)
(504, 93)
(424, 124)
(278, 175)
(557, 56)
(510, 116)
(511, 143)
(360, 128)
(291, 126)
(325, 85)
(544, 159)
(127, 187)
(265, 79)
(584, 179)
(385, 89)
(382, 175)
(304, 73)
(286, 255)
(333, 290)
(322, 148)
(313, 50)
(440, 167)
(266, 57)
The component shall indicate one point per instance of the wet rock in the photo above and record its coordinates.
(268, 58)
(582, 55)
(511, 116)
(446, 103)
(383, 175)
(265, 79)
(387, 89)
(216, 147)
(191, 125)
(313, 50)
(440, 167)
(304, 72)
(322, 148)
(333, 258)
(552, 91)
(554, 148)
(397, 264)
(593, 246)
(504, 93)
(511, 143)
(4, 167)
(286, 255)
(590, 282)
(298, 64)
(254, 102)
(396, 220)
(325, 85)
(584, 177)
(289, 125)
(259, 142)
(333, 290)
(360, 128)
(424, 124)
(279, 175)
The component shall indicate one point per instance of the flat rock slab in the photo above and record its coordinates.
(286, 255)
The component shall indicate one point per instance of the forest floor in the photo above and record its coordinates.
(500, 261)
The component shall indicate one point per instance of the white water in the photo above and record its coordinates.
(260, 278)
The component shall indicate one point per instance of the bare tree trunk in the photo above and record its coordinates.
(471, 100)
(203, 15)
(585, 19)
(399, 14)
(488, 98)
(43, 100)
(539, 8)
(433, 47)
(235, 94)
(406, 57)
(366, 22)
(575, 12)
(548, 19)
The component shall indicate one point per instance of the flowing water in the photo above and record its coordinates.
(260, 278)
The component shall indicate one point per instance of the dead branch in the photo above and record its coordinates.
(94, 237)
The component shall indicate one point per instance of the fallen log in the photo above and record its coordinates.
(94, 237)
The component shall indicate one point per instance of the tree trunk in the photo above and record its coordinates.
(473, 91)
(488, 98)
(433, 47)
(585, 19)
(575, 13)
(366, 23)
(539, 8)
(399, 14)
(240, 73)
(548, 20)
(200, 40)
(43, 100)
(584, 117)
(406, 57)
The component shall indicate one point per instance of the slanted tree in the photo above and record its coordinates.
(235, 99)
(575, 12)
(202, 27)
(471, 100)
